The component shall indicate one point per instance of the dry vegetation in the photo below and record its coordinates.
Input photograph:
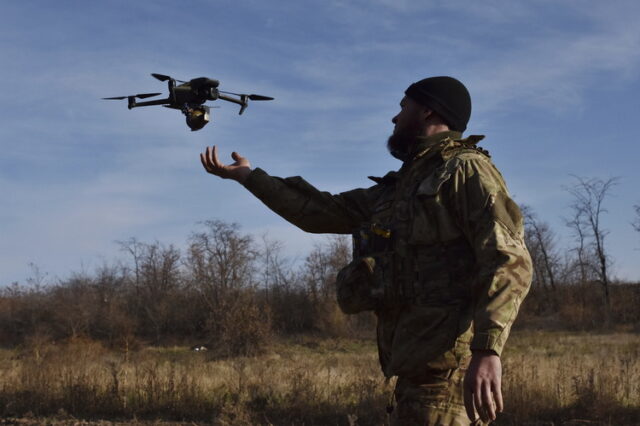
(305, 382)
(559, 376)
(549, 376)
(115, 344)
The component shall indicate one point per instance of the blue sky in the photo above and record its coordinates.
(554, 85)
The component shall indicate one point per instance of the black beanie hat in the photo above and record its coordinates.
(446, 96)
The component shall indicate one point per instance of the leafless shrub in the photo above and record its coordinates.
(221, 266)
(318, 277)
(589, 195)
(541, 243)
(157, 280)
(235, 294)
(636, 221)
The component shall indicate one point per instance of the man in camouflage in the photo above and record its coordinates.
(439, 255)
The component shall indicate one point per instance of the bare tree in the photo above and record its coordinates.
(542, 247)
(588, 207)
(636, 221)
(323, 263)
(579, 229)
(157, 277)
(318, 275)
(220, 259)
(132, 246)
(222, 266)
(38, 278)
(277, 270)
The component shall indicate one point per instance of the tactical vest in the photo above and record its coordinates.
(420, 264)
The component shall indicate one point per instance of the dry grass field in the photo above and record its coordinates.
(550, 379)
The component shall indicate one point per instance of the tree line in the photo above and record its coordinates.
(236, 293)
(227, 290)
(573, 285)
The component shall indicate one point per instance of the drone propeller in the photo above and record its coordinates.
(251, 97)
(163, 77)
(139, 96)
(174, 107)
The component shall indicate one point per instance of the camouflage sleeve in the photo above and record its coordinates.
(493, 225)
(306, 207)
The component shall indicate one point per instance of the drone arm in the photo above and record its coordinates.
(242, 102)
(148, 103)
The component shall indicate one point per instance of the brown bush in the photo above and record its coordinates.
(239, 327)
(227, 290)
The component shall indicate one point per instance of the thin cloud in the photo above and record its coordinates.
(337, 71)
(553, 72)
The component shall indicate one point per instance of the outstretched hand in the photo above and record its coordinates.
(237, 171)
(482, 386)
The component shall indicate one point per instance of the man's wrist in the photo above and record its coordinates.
(253, 178)
(483, 352)
(492, 340)
(243, 174)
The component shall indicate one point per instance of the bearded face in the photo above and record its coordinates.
(400, 142)
(409, 124)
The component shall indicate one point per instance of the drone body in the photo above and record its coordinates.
(190, 96)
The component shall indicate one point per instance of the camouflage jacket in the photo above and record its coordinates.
(459, 268)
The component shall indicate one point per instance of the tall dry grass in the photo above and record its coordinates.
(298, 383)
(550, 378)
(559, 376)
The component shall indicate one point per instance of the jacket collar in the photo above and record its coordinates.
(426, 145)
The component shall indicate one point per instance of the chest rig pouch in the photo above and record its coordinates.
(440, 257)
(432, 259)
(363, 284)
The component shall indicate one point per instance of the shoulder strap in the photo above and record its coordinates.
(468, 144)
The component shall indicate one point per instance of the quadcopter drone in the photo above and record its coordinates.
(190, 96)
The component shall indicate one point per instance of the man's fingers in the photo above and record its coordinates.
(487, 401)
(204, 163)
(207, 158)
(468, 403)
(477, 401)
(210, 161)
(237, 171)
(214, 158)
(497, 396)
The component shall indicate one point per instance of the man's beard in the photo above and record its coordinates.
(400, 144)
